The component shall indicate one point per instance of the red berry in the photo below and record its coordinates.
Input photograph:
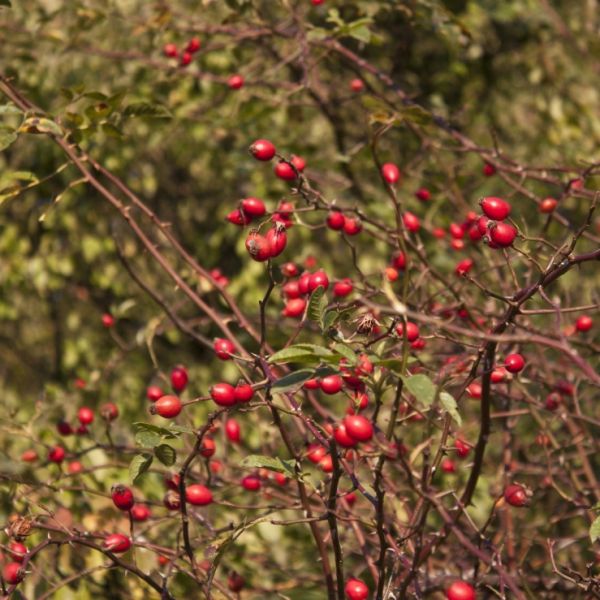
(502, 234)
(291, 289)
(243, 392)
(474, 390)
(294, 307)
(495, 208)
(326, 464)
(235, 582)
(390, 172)
(108, 320)
(253, 207)
(85, 415)
(359, 427)
(289, 269)
(343, 288)
(462, 448)
(238, 218)
(412, 331)
(411, 222)
(122, 496)
(331, 384)
(167, 407)
(109, 411)
(170, 50)
(262, 150)
(153, 393)
(13, 573)
(223, 348)
(17, 551)
(223, 394)
(423, 194)
(56, 454)
(456, 231)
(277, 240)
(464, 266)
(29, 455)
(74, 467)
(179, 378)
(584, 323)
(335, 220)
(553, 401)
(342, 438)
(198, 495)
(399, 261)
(357, 85)
(460, 590)
(516, 495)
(514, 363)
(448, 465)
(352, 225)
(117, 543)
(489, 170)
(318, 279)
(258, 246)
(208, 447)
(315, 453)
(547, 205)
(356, 590)
(483, 224)
(235, 82)
(311, 384)
(251, 483)
(298, 162)
(233, 430)
(439, 232)
(474, 233)
(498, 375)
(186, 59)
(193, 45)
(140, 512)
(285, 171)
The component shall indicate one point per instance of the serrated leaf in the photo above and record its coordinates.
(449, 404)
(146, 109)
(317, 305)
(595, 529)
(166, 454)
(149, 436)
(421, 387)
(258, 461)
(292, 380)
(6, 139)
(346, 352)
(139, 464)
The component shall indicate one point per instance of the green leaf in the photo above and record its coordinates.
(595, 530)
(139, 465)
(291, 354)
(6, 139)
(258, 461)
(449, 403)
(359, 32)
(292, 380)
(149, 436)
(421, 387)
(145, 109)
(180, 429)
(317, 305)
(346, 352)
(166, 454)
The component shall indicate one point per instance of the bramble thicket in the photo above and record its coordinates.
(299, 299)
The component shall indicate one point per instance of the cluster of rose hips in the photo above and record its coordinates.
(170, 50)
